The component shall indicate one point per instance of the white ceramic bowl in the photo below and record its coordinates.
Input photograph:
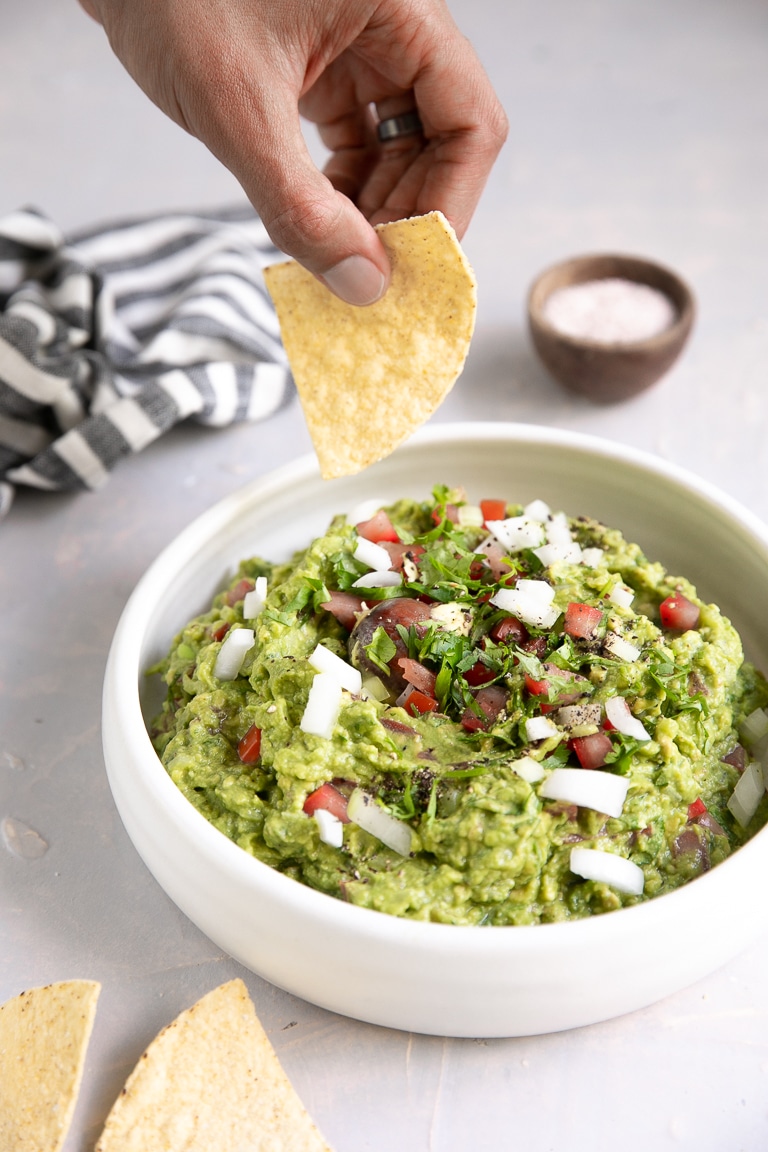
(418, 976)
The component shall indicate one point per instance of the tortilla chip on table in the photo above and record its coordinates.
(44, 1034)
(210, 1082)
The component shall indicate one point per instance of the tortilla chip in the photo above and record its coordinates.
(369, 377)
(210, 1082)
(44, 1035)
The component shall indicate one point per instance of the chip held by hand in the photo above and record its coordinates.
(369, 377)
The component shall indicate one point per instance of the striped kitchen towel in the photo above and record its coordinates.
(110, 337)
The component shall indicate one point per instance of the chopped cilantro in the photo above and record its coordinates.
(381, 650)
(346, 570)
(557, 758)
(311, 591)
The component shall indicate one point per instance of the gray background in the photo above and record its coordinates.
(637, 125)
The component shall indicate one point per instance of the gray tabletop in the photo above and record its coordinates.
(636, 125)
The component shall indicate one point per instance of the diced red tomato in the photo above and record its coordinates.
(249, 747)
(539, 688)
(378, 529)
(329, 798)
(416, 674)
(582, 621)
(220, 632)
(479, 674)
(698, 808)
(679, 612)
(536, 687)
(491, 701)
(543, 687)
(511, 630)
(418, 703)
(238, 592)
(345, 606)
(493, 509)
(592, 750)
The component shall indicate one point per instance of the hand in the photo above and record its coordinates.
(238, 74)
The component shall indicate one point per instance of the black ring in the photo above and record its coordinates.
(408, 124)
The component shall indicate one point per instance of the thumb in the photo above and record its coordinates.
(306, 217)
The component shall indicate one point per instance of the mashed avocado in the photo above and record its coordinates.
(504, 662)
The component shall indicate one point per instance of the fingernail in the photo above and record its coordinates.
(356, 280)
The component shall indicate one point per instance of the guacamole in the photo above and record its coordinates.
(472, 714)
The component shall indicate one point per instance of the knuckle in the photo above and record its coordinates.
(499, 125)
(492, 125)
(303, 225)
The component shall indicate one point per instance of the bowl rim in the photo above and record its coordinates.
(124, 672)
(684, 302)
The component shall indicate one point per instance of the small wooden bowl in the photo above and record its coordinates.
(605, 372)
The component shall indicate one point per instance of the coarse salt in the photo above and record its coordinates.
(610, 311)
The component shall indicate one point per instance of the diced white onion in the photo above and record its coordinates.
(544, 619)
(253, 601)
(592, 557)
(754, 727)
(507, 598)
(404, 696)
(537, 510)
(540, 728)
(378, 579)
(490, 544)
(323, 660)
(363, 810)
(470, 516)
(760, 750)
(537, 589)
(528, 769)
(330, 828)
(617, 711)
(552, 553)
(229, 661)
(363, 511)
(608, 868)
(621, 596)
(530, 601)
(558, 529)
(323, 706)
(621, 648)
(372, 555)
(747, 794)
(374, 689)
(517, 532)
(589, 788)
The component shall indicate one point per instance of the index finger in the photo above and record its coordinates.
(465, 127)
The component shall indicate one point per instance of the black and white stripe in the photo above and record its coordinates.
(112, 336)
